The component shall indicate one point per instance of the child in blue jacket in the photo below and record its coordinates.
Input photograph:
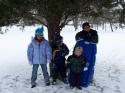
(39, 53)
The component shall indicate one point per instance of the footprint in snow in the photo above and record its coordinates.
(117, 89)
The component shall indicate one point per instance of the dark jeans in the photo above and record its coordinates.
(34, 73)
(75, 79)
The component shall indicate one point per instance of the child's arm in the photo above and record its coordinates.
(48, 52)
(54, 54)
(85, 64)
(30, 53)
(68, 61)
(65, 51)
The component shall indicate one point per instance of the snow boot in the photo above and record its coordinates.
(48, 83)
(33, 86)
(79, 87)
(54, 82)
(71, 87)
(65, 81)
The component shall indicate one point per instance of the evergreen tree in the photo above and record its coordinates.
(54, 14)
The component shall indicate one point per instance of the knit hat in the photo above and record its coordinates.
(39, 31)
(78, 49)
(58, 39)
(85, 24)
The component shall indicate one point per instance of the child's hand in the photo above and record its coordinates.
(85, 69)
(86, 42)
(66, 62)
(30, 63)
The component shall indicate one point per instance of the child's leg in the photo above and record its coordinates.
(34, 74)
(78, 80)
(72, 79)
(45, 73)
(55, 73)
(63, 71)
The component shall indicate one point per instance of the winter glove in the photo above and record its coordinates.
(86, 42)
(85, 69)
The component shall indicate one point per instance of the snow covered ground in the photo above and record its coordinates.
(15, 72)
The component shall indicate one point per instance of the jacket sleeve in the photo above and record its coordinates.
(30, 53)
(69, 58)
(66, 50)
(94, 37)
(78, 36)
(68, 61)
(48, 51)
(86, 64)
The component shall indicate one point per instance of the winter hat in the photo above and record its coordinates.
(78, 49)
(58, 39)
(39, 31)
(85, 24)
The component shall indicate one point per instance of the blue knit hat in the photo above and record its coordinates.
(39, 31)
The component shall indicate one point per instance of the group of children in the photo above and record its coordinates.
(40, 52)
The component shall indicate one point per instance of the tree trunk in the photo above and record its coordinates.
(52, 31)
(53, 27)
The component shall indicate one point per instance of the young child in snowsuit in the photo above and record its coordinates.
(58, 60)
(76, 64)
(39, 53)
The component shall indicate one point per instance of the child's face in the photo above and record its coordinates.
(86, 28)
(78, 53)
(60, 42)
(39, 37)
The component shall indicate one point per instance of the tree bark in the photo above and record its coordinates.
(53, 27)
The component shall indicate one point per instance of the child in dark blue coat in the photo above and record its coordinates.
(60, 50)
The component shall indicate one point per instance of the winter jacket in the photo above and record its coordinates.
(60, 53)
(91, 36)
(76, 64)
(39, 53)
(55, 42)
